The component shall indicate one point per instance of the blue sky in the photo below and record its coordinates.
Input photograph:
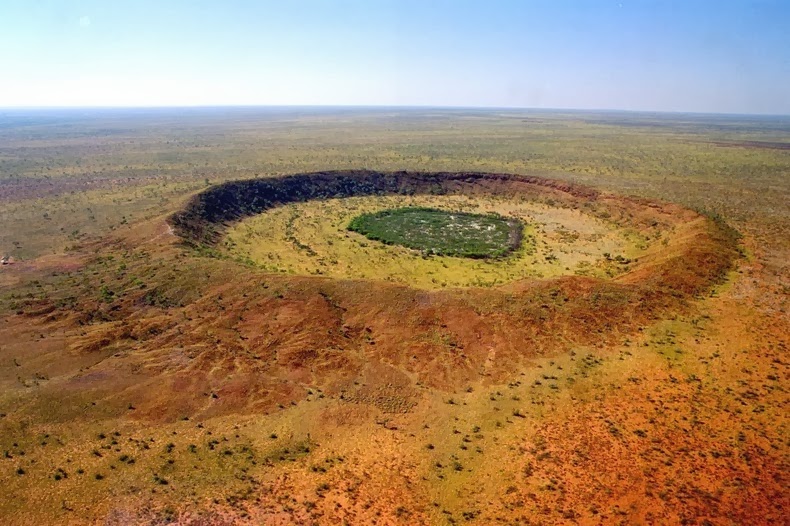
(702, 56)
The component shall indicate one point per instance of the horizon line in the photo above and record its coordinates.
(383, 106)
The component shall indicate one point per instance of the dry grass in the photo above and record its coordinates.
(313, 239)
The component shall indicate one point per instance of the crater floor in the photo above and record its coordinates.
(312, 238)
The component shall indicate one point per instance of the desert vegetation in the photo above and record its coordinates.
(190, 334)
(312, 238)
(440, 232)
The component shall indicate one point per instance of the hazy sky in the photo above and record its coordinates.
(705, 56)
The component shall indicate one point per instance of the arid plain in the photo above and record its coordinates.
(164, 359)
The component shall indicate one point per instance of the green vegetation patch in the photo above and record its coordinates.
(441, 232)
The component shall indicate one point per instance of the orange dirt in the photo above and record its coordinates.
(157, 333)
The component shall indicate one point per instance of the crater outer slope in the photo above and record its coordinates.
(445, 338)
(257, 339)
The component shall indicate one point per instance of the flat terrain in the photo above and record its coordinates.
(441, 232)
(146, 381)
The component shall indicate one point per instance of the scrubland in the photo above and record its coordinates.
(147, 381)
